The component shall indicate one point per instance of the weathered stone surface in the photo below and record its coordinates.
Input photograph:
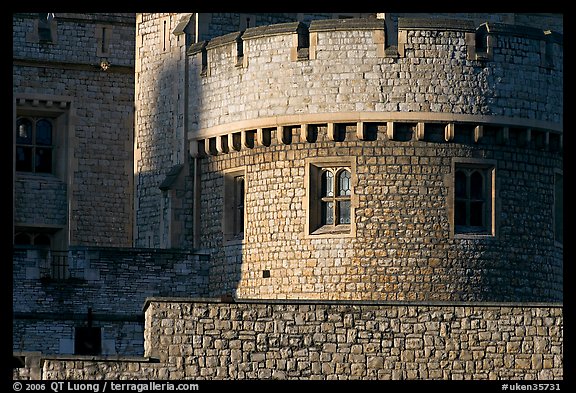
(353, 359)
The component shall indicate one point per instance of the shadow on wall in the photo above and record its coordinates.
(169, 213)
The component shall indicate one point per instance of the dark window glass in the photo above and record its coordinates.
(239, 202)
(44, 30)
(335, 190)
(481, 39)
(476, 185)
(42, 240)
(460, 213)
(34, 148)
(476, 214)
(23, 159)
(43, 160)
(88, 341)
(460, 185)
(22, 239)
(43, 132)
(472, 206)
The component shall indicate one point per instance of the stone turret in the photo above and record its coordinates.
(451, 139)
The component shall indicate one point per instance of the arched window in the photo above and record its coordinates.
(32, 239)
(22, 239)
(335, 193)
(472, 199)
(233, 217)
(45, 26)
(344, 192)
(34, 144)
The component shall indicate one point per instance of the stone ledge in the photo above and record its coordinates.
(224, 39)
(515, 30)
(100, 358)
(182, 24)
(348, 302)
(347, 24)
(47, 63)
(67, 316)
(436, 24)
(270, 30)
(196, 48)
(353, 117)
(121, 19)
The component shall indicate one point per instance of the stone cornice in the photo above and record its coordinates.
(270, 30)
(43, 63)
(397, 303)
(436, 24)
(223, 40)
(353, 117)
(346, 24)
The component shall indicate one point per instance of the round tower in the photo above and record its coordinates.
(351, 159)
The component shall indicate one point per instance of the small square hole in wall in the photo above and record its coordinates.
(265, 273)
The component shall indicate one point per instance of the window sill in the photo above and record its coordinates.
(473, 235)
(331, 231)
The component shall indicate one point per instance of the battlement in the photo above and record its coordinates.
(306, 35)
(433, 68)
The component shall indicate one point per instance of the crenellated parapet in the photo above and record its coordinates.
(349, 71)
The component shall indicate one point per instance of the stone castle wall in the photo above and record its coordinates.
(158, 103)
(40, 200)
(346, 71)
(112, 282)
(93, 158)
(163, 94)
(199, 339)
(403, 246)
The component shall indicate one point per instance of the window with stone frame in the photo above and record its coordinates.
(474, 199)
(34, 144)
(234, 205)
(330, 193)
(30, 238)
(45, 26)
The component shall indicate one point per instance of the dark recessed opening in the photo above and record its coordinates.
(88, 341)
(265, 273)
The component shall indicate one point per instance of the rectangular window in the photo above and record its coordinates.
(234, 202)
(559, 208)
(45, 24)
(34, 144)
(329, 196)
(473, 198)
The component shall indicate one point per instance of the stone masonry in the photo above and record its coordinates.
(88, 196)
(189, 173)
(405, 120)
(202, 339)
(110, 281)
(266, 99)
